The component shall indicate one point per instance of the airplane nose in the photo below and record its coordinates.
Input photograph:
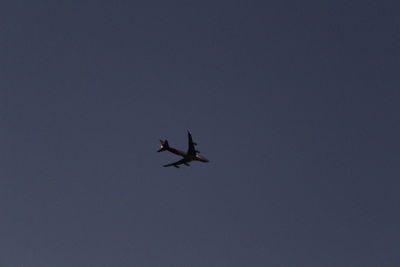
(201, 158)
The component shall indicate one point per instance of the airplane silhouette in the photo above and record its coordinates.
(191, 155)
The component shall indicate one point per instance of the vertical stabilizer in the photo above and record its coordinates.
(164, 145)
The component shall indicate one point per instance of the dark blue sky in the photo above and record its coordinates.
(296, 104)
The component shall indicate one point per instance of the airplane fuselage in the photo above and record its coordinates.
(187, 156)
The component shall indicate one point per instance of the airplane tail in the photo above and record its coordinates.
(164, 145)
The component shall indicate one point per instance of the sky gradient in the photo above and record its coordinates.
(296, 104)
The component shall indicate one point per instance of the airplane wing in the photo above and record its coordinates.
(191, 148)
(175, 164)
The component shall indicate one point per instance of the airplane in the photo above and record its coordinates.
(190, 155)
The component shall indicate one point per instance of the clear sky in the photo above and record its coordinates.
(295, 103)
